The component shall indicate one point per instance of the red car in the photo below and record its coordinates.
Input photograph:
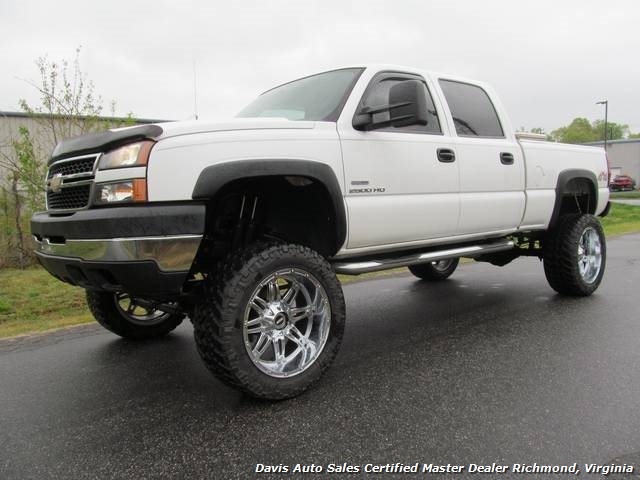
(622, 182)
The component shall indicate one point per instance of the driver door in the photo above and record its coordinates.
(402, 183)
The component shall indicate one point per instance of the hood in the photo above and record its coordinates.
(99, 142)
(172, 129)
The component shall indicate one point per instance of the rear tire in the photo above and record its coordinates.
(435, 271)
(575, 254)
(113, 311)
(271, 320)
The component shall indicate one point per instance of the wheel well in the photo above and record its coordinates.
(294, 209)
(575, 195)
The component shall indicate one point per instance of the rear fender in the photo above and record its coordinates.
(563, 188)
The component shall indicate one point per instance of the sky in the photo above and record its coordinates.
(549, 61)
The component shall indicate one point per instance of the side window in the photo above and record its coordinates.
(473, 113)
(378, 94)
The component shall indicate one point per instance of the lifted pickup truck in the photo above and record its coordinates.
(242, 225)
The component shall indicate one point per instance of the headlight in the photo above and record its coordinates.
(132, 155)
(121, 192)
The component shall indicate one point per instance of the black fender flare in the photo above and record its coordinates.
(214, 177)
(564, 178)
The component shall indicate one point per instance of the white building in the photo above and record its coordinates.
(624, 157)
(42, 127)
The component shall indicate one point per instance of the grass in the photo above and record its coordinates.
(634, 194)
(621, 219)
(33, 301)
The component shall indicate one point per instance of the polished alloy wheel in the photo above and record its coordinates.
(589, 255)
(442, 265)
(138, 314)
(286, 323)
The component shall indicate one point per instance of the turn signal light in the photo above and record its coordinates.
(122, 192)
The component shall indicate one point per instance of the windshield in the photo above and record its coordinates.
(317, 98)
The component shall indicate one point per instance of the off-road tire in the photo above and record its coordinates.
(561, 255)
(219, 315)
(431, 272)
(104, 309)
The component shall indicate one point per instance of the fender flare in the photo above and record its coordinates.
(562, 187)
(214, 177)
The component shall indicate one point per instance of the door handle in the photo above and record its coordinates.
(446, 155)
(506, 158)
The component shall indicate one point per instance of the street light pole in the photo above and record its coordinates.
(606, 112)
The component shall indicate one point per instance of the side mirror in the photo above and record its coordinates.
(407, 106)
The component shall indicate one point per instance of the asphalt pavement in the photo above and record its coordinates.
(490, 366)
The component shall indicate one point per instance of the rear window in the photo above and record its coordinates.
(473, 113)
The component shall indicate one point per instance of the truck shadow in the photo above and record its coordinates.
(416, 357)
(410, 319)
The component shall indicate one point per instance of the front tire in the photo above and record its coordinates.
(575, 254)
(435, 271)
(271, 320)
(119, 313)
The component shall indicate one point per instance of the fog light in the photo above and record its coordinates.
(121, 192)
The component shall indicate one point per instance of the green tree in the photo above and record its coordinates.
(580, 130)
(68, 107)
(29, 169)
(634, 135)
(615, 131)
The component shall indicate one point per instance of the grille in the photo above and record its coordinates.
(69, 198)
(72, 178)
(72, 167)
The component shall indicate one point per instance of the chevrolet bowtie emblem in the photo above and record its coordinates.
(55, 184)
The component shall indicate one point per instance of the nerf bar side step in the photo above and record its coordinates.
(374, 265)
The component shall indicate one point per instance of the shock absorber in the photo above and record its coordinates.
(252, 223)
(238, 231)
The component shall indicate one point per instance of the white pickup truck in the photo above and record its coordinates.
(242, 225)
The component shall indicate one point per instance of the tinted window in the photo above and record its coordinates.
(472, 110)
(378, 94)
(318, 97)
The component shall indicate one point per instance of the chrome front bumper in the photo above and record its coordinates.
(174, 253)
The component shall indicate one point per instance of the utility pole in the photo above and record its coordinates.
(606, 112)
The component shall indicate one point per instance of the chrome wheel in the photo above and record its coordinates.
(286, 323)
(442, 265)
(135, 313)
(589, 255)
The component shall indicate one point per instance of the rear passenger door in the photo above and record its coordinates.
(490, 160)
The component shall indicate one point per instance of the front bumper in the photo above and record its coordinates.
(146, 250)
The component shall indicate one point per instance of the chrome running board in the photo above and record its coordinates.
(374, 265)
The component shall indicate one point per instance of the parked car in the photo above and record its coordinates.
(622, 182)
(243, 225)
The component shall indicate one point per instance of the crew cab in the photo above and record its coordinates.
(242, 225)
